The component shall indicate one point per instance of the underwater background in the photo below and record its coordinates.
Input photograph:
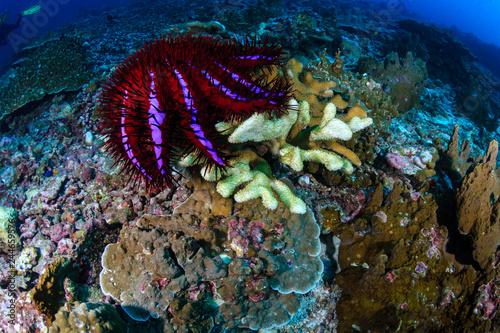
(239, 166)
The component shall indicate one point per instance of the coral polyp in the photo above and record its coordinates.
(164, 100)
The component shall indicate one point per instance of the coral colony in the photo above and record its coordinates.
(162, 102)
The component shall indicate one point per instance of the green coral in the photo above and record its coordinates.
(295, 157)
(46, 68)
(9, 239)
(260, 183)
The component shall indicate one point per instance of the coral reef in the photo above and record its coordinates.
(212, 28)
(402, 81)
(478, 208)
(27, 260)
(48, 294)
(395, 272)
(130, 268)
(260, 183)
(88, 317)
(23, 316)
(65, 67)
(251, 264)
(413, 161)
(394, 252)
(352, 89)
(9, 237)
(457, 158)
(308, 133)
(450, 60)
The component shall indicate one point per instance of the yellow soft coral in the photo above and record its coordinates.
(295, 157)
(254, 174)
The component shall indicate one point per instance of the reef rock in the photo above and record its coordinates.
(478, 207)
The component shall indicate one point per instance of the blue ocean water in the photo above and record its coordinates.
(475, 22)
(479, 17)
(53, 15)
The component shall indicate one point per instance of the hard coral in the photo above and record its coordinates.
(249, 265)
(64, 67)
(395, 272)
(487, 305)
(306, 87)
(48, 295)
(457, 155)
(415, 161)
(211, 28)
(88, 318)
(260, 183)
(478, 207)
(140, 273)
(403, 82)
(294, 140)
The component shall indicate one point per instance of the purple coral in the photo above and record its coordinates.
(488, 304)
(381, 215)
(436, 242)
(420, 268)
(243, 234)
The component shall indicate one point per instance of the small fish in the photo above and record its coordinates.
(50, 173)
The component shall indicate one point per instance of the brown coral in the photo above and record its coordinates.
(310, 90)
(478, 207)
(249, 265)
(88, 318)
(307, 88)
(457, 158)
(403, 81)
(48, 295)
(395, 274)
